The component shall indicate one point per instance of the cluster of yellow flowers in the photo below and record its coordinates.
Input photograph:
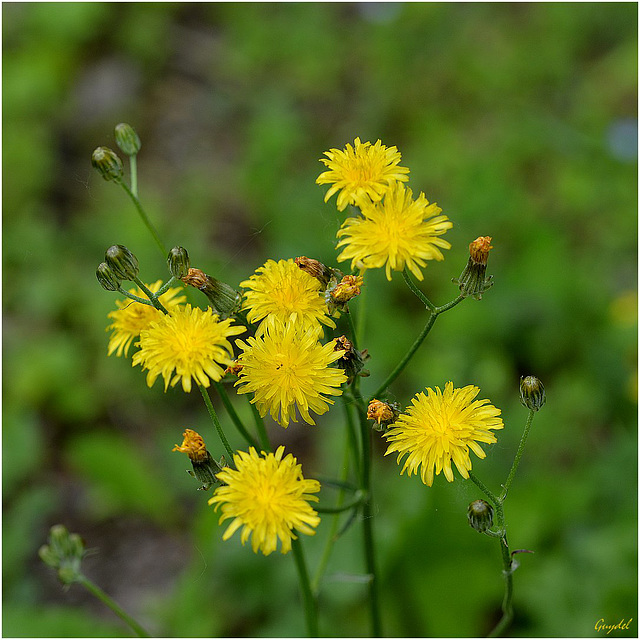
(286, 367)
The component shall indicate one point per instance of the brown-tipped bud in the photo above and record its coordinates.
(473, 281)
(347, 289)
(480, 515)
(204, 466)
(107, 163)
(316, 269)
(123, 264)
(352, 360)
(532, 394)
(178, 262)
(224, 300)
(127, 139)
(383, 413)
(106, 277)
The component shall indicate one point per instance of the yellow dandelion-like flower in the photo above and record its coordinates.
(395, 233)
(189, 341)
(132, 317)
(440, 428)
(287, 368)
(268, 497)
(281, 291)
(361, 173)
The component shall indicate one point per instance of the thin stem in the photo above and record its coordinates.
(216, 422)
(134, 297)
(105, 599)
(340, 508)
(144, 217)
(516, 460)
(152, 296)
(496, 501)
(260, 426)
(353, 330)
(427, 303)
(507, 572)
(309, 601)
(165, 287)
(133, 166)
(235, 418)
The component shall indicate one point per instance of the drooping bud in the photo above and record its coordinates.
(63, 553)
(178, 262)
(107, 163)
(204, 466)
(383, 413)
(224, 300)
(106, 277)
(352, 360)
(127, 139)
(480, 515)
(314, 268)
(532, 394)
(473, 281)
(122, 262)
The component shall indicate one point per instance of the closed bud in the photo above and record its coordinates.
(127, 139)
(473, 281)
(223, 299)
(63, 553)
(107, 163)
(123, 264)
(106, 278)
(532, 393)
(480, 515)
(178, 262)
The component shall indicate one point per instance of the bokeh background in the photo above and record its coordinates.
(519, 119)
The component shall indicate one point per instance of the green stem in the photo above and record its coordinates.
(152, 296)
(235, 418)
(341, 508)
(134, 297)
(352, 329)
(309, 601)
(427, 303)
(516, 460)
(216, 422)
(105, 599)
(133, 166)
(145, 218)
(496, 501)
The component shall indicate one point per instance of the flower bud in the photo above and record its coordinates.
(532, 393)
(107, 163)
(204, 466)
(127, 139)
(314, 268)
(224, 300)
(63, 553)
(178, 262)
(123, 264)
(106, 278)
(480, 515)
(472, 280)
(383, 413)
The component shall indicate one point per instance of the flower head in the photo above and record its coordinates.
(395, 233)
(361, 173)
(281, 291)
(193, 445)
(190, 342)
(268, 497)
(132, 317)
(441, 427)
(287, 368)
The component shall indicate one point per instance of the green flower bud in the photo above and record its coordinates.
(106, 278)
(127, 139)
(123, 264)
(480, 515)
(532, 393)
(107, 163)
(178, 262)
(63, 553)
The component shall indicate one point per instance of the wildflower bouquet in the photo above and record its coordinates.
(286, 340)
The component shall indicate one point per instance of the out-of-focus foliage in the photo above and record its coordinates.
(518, 119)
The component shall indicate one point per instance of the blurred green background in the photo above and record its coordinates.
(520, 120)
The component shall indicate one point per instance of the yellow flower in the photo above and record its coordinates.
(268, 497)
(189, 341)
(287, 368)
(395, 233)
(281, 291)
(361, 173)
(132, 317)
(440, 428)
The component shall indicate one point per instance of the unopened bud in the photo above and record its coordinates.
(107, 163)
(224, 300)
(383, 413)
(178, 262)
(106, 278)
(532, 394)
(127, 139)
(480, 515)
(64, 552)
(472, 280)
(122, 262)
